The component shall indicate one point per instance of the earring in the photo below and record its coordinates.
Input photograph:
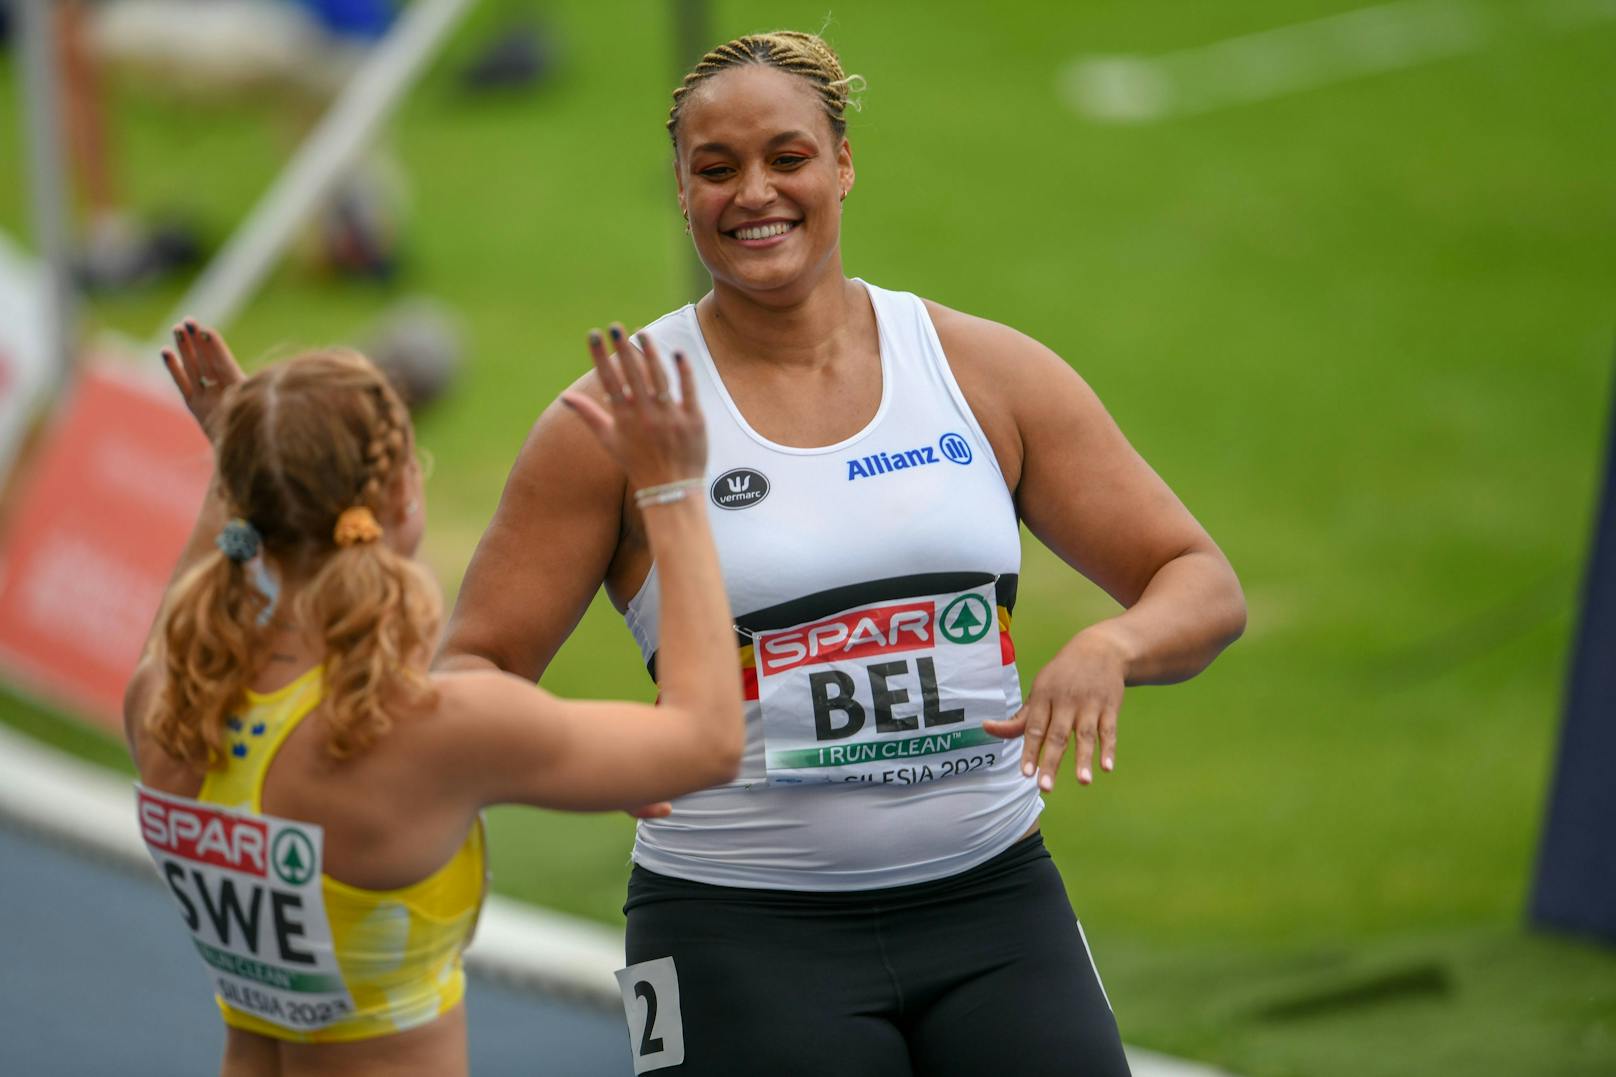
(687, 223)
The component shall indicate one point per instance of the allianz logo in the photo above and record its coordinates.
(951, 447)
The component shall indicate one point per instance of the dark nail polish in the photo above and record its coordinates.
(617, 332)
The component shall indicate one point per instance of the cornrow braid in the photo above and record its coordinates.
(792, 51)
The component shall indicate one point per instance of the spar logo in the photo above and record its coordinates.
(740, 488)
(209, 837)
(293, 857)
(905, 626)
(966, 619)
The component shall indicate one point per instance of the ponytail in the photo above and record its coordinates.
(210, 653)
(377, 614)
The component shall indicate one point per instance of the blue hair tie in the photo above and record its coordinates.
(239, 541)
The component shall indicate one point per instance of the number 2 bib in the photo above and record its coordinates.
(888, 692)
(249, 888)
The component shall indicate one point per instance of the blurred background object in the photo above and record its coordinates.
(1342, 270)
(1574, 890)
(417, 343)
(116, 249)
(518, 56)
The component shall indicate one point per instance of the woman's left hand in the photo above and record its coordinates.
(1075, 698)
(202, 368)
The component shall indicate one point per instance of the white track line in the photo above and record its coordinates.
(87, 807)
(1304, 56)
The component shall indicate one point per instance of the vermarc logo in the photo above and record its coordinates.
(740, 488)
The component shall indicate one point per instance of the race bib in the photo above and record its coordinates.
(248, 887)
(892, 692)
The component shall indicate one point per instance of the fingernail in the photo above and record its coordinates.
(594, 336)
(1046, 783)
(679, 358)
(617, 332)
(1085, 776)
(1026, 770)
(206, 335)
(190, 327)
(1109, 764)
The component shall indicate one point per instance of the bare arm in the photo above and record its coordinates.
(202, 368)
(519, 744)
(1094, 501)
(1084, 491)
(545, 551)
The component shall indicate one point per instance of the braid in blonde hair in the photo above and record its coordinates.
(373, 659)
(384, 451)
(792, 51)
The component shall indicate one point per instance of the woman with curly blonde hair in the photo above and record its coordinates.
(309, 791)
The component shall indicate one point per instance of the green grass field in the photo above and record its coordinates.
(1366, 333)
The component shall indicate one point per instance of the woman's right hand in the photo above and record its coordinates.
(202, 368)
(653, 437)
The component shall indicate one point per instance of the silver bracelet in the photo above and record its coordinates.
(666, 493)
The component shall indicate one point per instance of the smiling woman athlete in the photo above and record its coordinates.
(870, 895)
(309, 792)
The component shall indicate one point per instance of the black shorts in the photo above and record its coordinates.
(985, 972)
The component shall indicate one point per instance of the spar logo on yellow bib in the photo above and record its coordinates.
(888, 692)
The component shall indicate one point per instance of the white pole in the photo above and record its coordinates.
(350, 123)
(41, 95)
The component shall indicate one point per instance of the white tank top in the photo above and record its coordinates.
(871, 582)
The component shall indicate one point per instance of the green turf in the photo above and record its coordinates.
(1364, 331)
(45, 724)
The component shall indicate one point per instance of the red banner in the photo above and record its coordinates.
(102, 513)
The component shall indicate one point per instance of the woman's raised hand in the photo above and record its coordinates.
(202, 368)
(653, 437)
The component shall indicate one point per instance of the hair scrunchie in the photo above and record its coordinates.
(355, 526)
(239, 540)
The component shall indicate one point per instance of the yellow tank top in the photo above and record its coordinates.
(399, 950)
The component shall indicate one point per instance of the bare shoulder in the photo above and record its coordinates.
(465, 699)
(547, 548)
(1012, 382)
(981, 349)
(558, 442)
(445, 737)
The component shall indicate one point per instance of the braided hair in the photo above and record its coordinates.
(792, 51)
